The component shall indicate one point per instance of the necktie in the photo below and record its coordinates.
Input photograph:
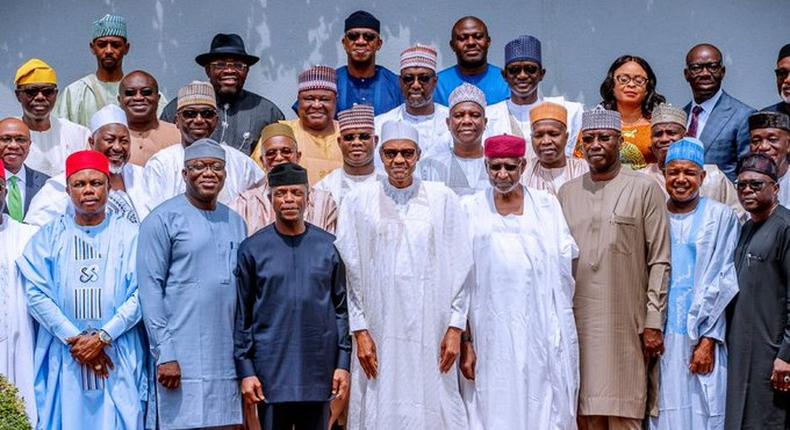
(15, 200)
(692, 131)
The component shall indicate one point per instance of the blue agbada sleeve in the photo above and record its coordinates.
(341, 313)
(153, 261)
(245, 298)
(128, 313)
(37, 266)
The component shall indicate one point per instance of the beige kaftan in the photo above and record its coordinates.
(622, 274)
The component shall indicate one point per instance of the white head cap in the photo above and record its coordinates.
(397, 130)
(110, 114)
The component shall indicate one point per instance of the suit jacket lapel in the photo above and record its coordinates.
(720, 115)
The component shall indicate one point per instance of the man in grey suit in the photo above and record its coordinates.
(782, 82)
(23, 182)
(716, 118)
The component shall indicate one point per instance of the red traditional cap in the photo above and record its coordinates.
(2, 170)
(88, 159)
(505, 146)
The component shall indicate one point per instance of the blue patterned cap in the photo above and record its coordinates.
(686, 149)
(524, 48)
(109, 25)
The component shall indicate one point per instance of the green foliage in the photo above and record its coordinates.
(12, 409)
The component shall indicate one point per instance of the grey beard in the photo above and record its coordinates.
(786, 98)
(116, 169)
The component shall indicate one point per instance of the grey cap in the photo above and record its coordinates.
(204, 148)
(601, 118)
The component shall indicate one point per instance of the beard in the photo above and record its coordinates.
(116, 169)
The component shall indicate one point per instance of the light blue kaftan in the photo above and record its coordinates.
(703, 283)
(188, 294)
(81, 278)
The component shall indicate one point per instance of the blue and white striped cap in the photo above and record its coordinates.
(109, 25)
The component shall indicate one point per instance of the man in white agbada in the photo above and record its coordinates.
(704, 235)
(127, 198)
(16, 327)
(769, 134)
(357, 142)
(407, 253)
(196, 118)
(521, 327)
(417, 83)
(463, 168)
(52, 139)
(523, 72)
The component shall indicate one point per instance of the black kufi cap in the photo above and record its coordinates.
(760, 120)
(287, 174)
(759, 163)
(362, 19)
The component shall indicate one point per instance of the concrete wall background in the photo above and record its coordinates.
(580, 38)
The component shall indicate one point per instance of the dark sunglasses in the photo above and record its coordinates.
(145, 92)
(33, 92)
(409, 79)
(353, 36)
(352, 137)
(753, 184)
(407, 154)
(516, 70)
(782, 74)
(499, 166)
(192, 114)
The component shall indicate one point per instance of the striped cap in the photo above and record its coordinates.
(109, 25)
(686, 149)
(601, 118)
(418, 56)
(358, 117)
(467, 92)
(666, 113)
(196, 93)
(318, 78)
(523, 48)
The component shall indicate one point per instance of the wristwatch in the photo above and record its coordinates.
(104, 336)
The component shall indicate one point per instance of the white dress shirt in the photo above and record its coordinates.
(707, 108)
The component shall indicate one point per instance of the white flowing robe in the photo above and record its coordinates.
(50, 148)
(407, 256)
(686, 400)
(52, 200)
(521, 316)
(339, 183)
(163, 179)
(16, 326)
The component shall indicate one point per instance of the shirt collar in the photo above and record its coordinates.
(22, 175)
(710, 103)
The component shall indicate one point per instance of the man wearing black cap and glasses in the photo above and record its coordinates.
(242, 114)
(782, 82)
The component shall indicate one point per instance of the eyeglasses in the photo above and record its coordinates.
(755, 185)
(353, 36)
(202, 167)
(234, 65)
(20, 140)
(33, 92)
(782, 74)
(192, 114)
(354, 136)
(695, 68)
(145, 92)
(639, 81)
(407, 154)
(496, 167)
(423, 79)
(284, 152)
(516, 70)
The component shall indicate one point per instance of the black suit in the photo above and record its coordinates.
(34, 180)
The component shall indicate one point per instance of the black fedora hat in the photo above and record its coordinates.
(226, 45)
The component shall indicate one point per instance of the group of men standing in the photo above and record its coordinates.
(429, 257)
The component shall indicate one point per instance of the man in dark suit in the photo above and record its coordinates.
(22, 181)
(716, 118)
(782, 82)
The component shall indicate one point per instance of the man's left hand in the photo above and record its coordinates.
(450, 349)
(340, 383)
(780, 377)
(652, 343)
(85, 348)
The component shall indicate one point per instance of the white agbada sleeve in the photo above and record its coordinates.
(346, 243)
(50, 202)
(456, 235)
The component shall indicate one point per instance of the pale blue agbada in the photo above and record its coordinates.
(703, 283)
(80, 278)
(188, 295)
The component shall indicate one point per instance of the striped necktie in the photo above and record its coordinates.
(15, 209)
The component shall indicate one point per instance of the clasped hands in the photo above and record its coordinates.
(88, 349)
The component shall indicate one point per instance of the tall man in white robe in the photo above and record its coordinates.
(127, 198)
(462, 169)
(16, 327)
(704, 234)
(407, 253)
(197, 118)
(523, 72)
(521, 302)
(357, 142)
(81, 287)
(769, 134)
(417, 83)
